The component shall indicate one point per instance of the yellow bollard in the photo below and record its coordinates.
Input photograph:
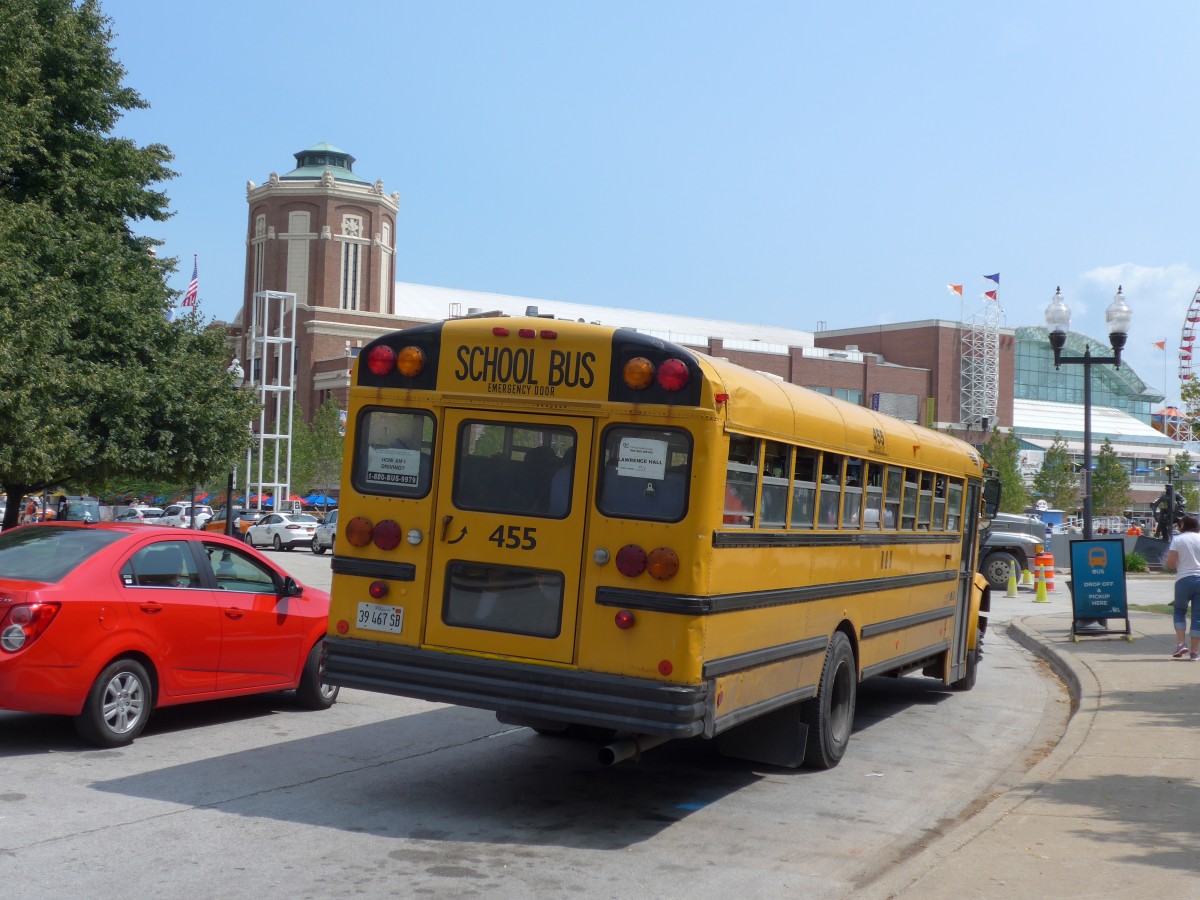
(1026, 578)
(1012, 580)
(1041, 584)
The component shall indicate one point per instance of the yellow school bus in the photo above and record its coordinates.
(588, 528)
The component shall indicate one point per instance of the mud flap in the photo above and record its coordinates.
(777, 739)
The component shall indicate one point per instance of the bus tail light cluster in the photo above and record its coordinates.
(383, 360)
(385, 535)
(671, 374)
(661, 562)
(23, 623)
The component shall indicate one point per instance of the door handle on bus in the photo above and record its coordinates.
(446, 520)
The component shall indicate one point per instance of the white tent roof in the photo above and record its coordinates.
(423, 301)
(1037, 421)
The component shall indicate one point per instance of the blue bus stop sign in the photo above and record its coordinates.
(1098, 579)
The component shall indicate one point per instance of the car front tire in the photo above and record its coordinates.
(316, 546)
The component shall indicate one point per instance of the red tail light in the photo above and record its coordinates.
(381, 360)
(631, 560)
(387, 535)
(24, 623)
(673, 374)
(378, 589)
(624, 619)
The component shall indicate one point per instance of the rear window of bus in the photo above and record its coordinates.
(395, 452)
(645, 473)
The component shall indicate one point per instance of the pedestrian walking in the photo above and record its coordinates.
(1183, 558)
(31, 512)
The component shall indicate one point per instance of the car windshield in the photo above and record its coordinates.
(49, 553)
(305, 517)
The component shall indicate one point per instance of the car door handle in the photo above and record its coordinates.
(234, 613)
(151, 607)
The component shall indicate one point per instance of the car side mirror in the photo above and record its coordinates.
(290, 588)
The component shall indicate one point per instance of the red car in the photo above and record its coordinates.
(107, 621)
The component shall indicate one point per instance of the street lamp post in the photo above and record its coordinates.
(1058, 320)
(235, 369)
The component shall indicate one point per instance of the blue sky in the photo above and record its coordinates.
(788, 163)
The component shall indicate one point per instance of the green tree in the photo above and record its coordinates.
(1003, 452)
(1057, 482)
(317, 450)
(95, 383)
(1110, 483)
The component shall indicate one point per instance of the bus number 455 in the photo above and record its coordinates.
(514, 537)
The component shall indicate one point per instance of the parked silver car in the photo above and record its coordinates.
(323, 536)
(183, 515)
(143, 514)
(283, 531)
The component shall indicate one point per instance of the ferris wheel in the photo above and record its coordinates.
(1187, 339)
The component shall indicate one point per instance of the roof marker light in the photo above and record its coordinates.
(500, 332)
(527, 333)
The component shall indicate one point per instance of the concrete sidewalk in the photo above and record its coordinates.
(1114, 808)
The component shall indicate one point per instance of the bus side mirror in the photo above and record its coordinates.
(991, 497)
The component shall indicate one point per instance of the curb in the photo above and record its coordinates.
(1084, 690)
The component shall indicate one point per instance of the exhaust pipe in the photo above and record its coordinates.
(619, 751)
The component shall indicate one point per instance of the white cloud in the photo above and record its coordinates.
(1161, 294)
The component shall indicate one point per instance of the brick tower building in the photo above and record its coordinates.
(328, 236)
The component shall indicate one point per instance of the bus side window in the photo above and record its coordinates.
(832, 465)
(925, 504)
(954, 506)
(908, 518)
(772, 508)
(891, 501)
(873, 511)
(852, 497)
(939, 504)
(741, 477)
(804, 487)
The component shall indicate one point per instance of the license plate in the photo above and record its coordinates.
(379, 617)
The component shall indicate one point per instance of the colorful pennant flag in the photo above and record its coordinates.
(193, 288)
(991, 295)
(954, 289)
(995, 278)
(1161, 345)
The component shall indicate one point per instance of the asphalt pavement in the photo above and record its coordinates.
(1113, 809)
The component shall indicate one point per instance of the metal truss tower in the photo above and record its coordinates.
(271, 350)
(979, 394)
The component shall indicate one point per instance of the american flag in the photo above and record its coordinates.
(193, 288)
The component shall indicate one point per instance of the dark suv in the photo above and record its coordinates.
(1010, 539)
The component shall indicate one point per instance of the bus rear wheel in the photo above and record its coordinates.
(830, 715)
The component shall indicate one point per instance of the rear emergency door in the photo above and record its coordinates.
(508, 534)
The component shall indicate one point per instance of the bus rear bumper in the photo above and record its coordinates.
(519, 690)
